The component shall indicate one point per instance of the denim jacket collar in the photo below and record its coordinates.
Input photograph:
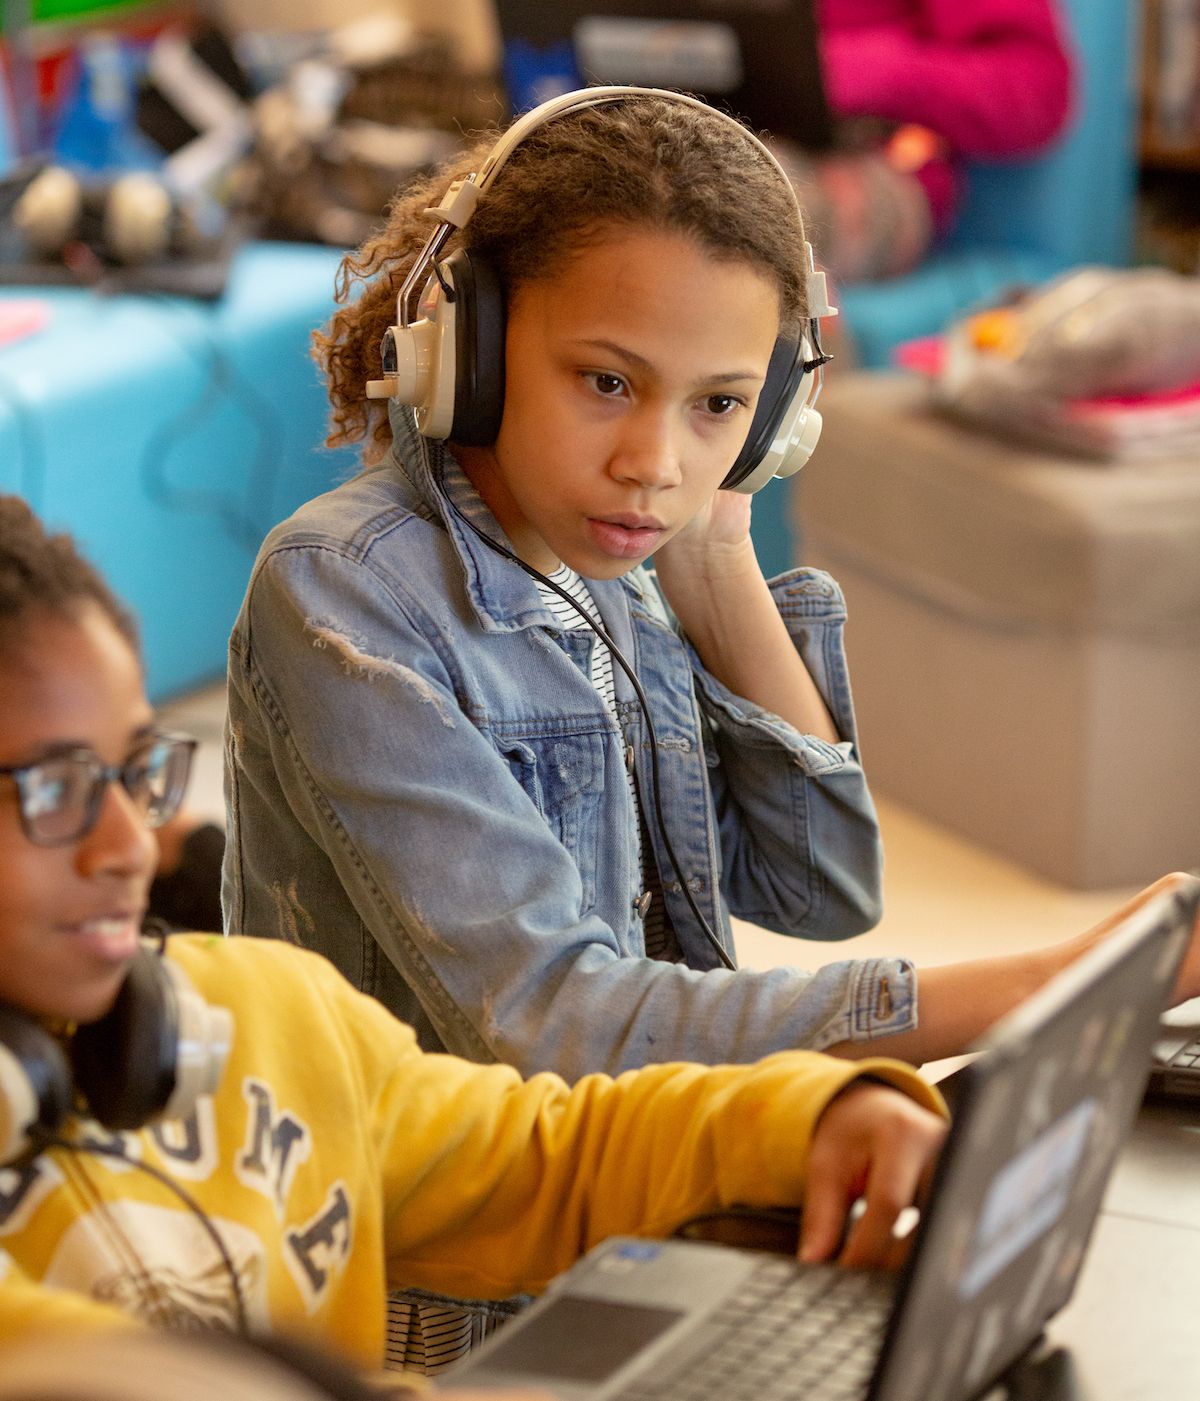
(504, 599)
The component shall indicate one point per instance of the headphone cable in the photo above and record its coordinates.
(619, 657)
(41, 1139)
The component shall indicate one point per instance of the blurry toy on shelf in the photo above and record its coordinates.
(1168, 214)
(1170, 82)
(370, 106)
(162, 142)
(126, 232)
(97, 196)
(1101, 363)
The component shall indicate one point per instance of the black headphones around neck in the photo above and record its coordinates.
(158, 1049)
(448, 365)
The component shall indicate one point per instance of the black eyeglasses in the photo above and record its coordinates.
(60, 796)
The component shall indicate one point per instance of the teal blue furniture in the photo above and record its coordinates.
(168, 435)
(1019, 223)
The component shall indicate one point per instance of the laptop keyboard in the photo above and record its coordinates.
(813, 1332)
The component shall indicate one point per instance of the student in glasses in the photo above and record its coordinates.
(224, 1133)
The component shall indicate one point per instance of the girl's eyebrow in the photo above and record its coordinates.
(47, 752)
(56, 748)
(639, 362)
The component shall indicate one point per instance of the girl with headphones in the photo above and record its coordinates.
(223, 1133)
(515, 720)
(512, 780)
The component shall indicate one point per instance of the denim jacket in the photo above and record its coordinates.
(424, 786)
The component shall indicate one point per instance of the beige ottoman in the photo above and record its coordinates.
(1024, 632)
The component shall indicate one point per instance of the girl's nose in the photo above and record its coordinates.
(648, 451)
(120, 843)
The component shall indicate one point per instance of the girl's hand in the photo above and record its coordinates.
(876, 1145)
(715, 545)
(1187, 980)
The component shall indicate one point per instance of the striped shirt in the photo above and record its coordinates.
(660, 937)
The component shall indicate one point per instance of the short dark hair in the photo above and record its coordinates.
(643, 161)
(44, 571)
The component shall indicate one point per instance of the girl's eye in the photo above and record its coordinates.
(606, 384)
(721, 405)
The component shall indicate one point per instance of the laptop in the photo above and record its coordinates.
(1175, 1071)
(757, 59)
(1040, 1115)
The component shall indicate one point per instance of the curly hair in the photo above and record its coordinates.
(44, 572)
(642, 160)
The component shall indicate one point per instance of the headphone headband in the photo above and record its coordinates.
(584, 98)
(458, 204)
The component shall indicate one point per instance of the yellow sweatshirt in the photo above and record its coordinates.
(337, 1161)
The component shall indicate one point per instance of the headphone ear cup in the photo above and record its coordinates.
(786, 427)
(35, 1083)
(139, 218)
(449, 365)
(124, 1064)
(48, 211)
(155, 1052)
(783, 382)
(479, 324)
(798, 431)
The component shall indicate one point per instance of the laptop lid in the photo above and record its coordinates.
(757, 59)
(1040, 1117)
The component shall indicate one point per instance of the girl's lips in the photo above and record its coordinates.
(113, 938)
(625, 541)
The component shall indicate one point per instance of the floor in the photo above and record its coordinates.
(940, 892)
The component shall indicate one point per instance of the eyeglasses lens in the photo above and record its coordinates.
(56, 796)
(61, 797)
(158, 780)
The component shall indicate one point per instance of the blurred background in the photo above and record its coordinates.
(1021, 556)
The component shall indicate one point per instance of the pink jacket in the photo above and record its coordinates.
(993, 77)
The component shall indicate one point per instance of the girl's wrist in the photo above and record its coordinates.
(707, 566)
(720, 612)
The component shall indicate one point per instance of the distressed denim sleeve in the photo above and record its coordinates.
(371, 817)
(799, 835)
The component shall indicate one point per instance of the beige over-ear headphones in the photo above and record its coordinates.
(448, 363)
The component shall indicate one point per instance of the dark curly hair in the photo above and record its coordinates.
(44, 571)
(639, 161)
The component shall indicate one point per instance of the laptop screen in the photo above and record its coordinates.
(757, 59)
(1018, 1189)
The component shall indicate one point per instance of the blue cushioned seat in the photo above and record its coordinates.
(170, 434)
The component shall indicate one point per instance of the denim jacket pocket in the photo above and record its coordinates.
(563, 775)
